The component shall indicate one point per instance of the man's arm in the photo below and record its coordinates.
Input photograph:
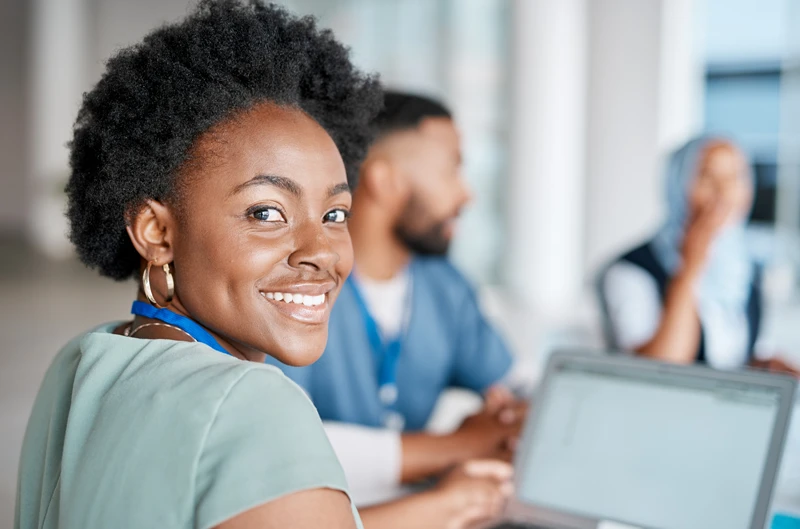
(482, 358)
(378, 457)
(472, 492)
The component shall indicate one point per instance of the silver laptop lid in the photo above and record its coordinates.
(614, 438)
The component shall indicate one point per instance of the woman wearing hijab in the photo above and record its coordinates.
(693, 292)
(213, 163)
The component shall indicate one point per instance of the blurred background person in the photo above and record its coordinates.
(408, 325)
(693, 293)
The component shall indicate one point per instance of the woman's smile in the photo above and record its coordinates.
(302, 302)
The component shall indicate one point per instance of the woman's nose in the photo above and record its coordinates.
(313, 248)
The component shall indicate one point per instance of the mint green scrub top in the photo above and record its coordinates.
(133, 433)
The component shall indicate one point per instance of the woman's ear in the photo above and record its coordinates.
(151, 229)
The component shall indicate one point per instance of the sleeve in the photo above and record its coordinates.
(266, 441)
(633, 304)
(299, 375)
(481, 357)
(371, 457)
(726, 335)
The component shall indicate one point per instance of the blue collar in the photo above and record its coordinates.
(185, 324)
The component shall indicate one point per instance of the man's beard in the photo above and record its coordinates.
(428, 240)
(432, 241)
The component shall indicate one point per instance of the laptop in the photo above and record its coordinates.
(616, 442)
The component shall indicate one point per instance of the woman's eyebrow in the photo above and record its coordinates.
(338, 189)
(287, 184)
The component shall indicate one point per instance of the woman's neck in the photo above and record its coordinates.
(162, 332)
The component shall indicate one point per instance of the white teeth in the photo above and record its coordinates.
(297, 299)
(313, 301)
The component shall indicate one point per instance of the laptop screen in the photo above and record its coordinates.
(652, 449)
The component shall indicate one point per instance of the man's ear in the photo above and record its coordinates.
(385, 184)
(151, 229)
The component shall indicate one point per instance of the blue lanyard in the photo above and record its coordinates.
(188, 326)
(386, 354)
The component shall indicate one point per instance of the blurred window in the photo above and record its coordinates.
(743, 100)
(747, 47)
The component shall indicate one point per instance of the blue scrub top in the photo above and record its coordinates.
(448, 343)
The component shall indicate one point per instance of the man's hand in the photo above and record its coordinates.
(493, 432)
(497, 398)
(473, 492)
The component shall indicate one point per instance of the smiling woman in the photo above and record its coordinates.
(214, 160)
(265, 215)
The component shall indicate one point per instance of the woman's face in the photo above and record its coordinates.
(261, 247)
(722, 179)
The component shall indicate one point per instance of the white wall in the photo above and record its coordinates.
(623, 200)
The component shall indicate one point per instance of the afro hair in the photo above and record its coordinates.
(136, 128)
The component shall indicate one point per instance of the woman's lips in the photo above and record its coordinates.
(307, 303)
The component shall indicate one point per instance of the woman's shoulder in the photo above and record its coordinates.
(186, 424)
(186, 372)
(181, 387)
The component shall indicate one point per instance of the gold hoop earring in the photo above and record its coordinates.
(148, 290)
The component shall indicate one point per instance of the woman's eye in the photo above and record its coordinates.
(268, 215)
(337, 215)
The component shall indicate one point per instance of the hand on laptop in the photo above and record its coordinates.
(496, 398)
(493, 431)
(777, 365)
(472, 492)
(468, 493)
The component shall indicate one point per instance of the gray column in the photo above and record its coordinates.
(59, 56)
(14, 38)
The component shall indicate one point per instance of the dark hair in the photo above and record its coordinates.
(403, 111)
(136, 128)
